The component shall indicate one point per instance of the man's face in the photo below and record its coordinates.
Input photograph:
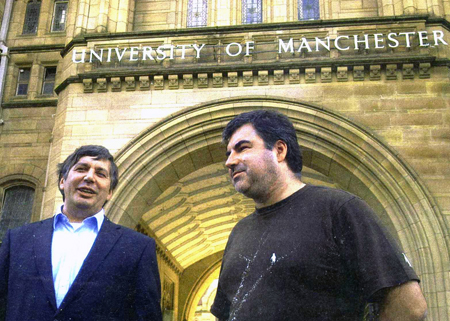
(253, 168)
(87, 187)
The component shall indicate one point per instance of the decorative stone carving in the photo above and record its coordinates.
(424, 70)
(325, 74)
(358, 73)
(375, 72)
(391, 72)
(278, 77)
(217, 80)
(188, 81)
(310, 75)
(202, 81)
(159, 82)
(116, 84)
(247, 78)
(173, 81)
(144, 82)
(87, 86)
(232, 79)
(342, 74)
(263, 77)
(294, 76)
(130, 84)
(408, 71)
(101, 85)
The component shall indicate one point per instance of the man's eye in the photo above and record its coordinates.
(101, 174)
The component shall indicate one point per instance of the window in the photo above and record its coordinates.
(16, 208)
(197, 13)
(23, 81)
(31, 17)
(49, 80)
(308, 10)
(59, 16)
(251, 11)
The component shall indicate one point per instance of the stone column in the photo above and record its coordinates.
(82, 17)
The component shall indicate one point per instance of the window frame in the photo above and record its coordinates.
(44, 82)
(204, 13)
(315, 10)
(55, 4)
(31, 30)
(22, 82)
(244, 11)
(11, 183)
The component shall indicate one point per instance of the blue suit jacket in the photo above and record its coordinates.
(119, 279)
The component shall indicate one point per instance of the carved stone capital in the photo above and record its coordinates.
(159, 82)
(88, 86)
(232, 79)
(188, 81)
(101, 85)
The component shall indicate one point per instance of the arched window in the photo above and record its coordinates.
(16, 207)
(251, 11)
(308, 10)
(30, 24)
(59, 16)
(197, 13)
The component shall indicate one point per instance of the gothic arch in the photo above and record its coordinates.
(189, 140)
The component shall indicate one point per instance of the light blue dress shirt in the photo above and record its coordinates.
(71, 244)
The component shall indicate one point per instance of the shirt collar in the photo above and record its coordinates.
(98, 217)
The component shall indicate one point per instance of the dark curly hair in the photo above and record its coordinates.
(271, 126)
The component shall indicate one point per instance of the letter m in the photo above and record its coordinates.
(286, 46)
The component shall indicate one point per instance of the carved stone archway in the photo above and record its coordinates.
(334, 146)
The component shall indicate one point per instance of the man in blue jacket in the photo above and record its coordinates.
(79, 265)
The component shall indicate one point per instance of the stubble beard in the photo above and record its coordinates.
(258, 187)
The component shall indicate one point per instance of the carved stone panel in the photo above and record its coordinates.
(342, 74)
(159, 82)
(310, 75)
(247, 78)
(116, 84)
(101, 85)
(188, 81)
(424, 70)
(232, 79)
(358, 73)
(144, 82)
(375, 72)
(130, 84)
(391, 72)
(202, 81)
(263, 77)
(294, 76)
(278, 77)
(173, 81)
(87, 86)
(408, 71)
(325, 74)
(217, 80)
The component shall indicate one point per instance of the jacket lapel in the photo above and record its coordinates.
(43, 256)
(106, 239)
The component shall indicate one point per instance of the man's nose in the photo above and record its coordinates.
(232, 160)
(89, 177)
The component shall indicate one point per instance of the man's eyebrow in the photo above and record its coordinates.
(237, 145)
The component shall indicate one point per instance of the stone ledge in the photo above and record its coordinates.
(252, 78)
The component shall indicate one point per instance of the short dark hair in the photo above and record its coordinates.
(271, 126)
(96, 151)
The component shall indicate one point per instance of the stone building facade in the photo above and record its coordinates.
(365, 82)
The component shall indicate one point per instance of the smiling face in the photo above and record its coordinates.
(252, 167)
(86, 188)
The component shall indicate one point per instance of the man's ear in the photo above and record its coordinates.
(281, 149)
(61, 183)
